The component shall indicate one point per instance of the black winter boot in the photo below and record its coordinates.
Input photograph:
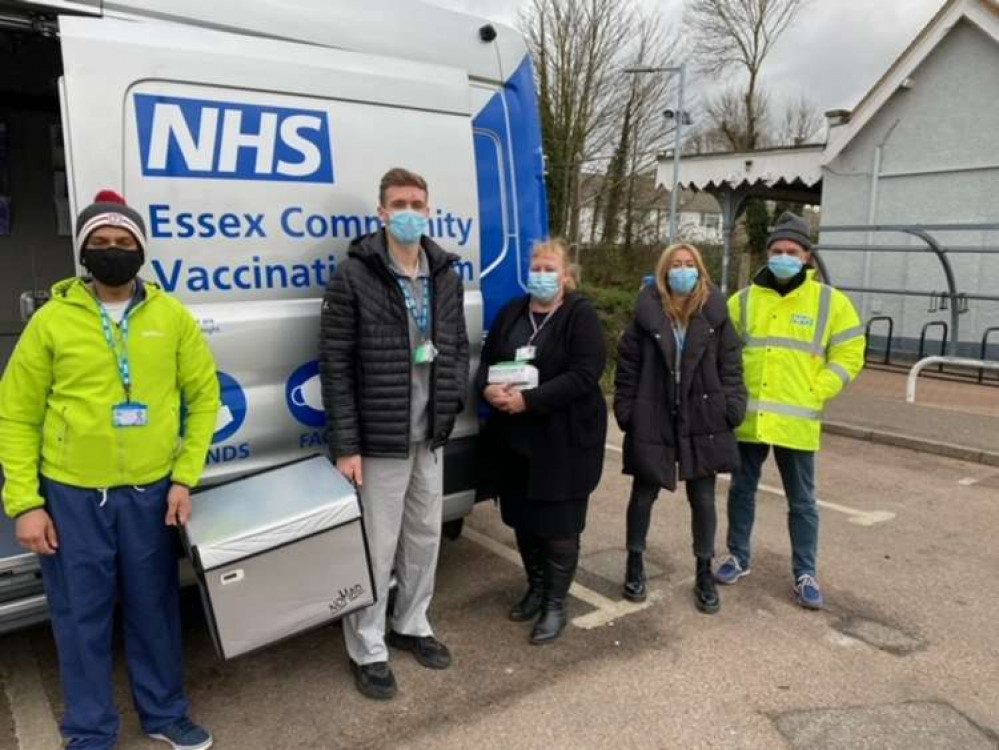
(560, 568)
(532, 555)
(634, 578)
(705, 592)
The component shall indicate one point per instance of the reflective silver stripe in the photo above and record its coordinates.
(784, 410)
(839, 371)
(825, 305)
(848, 335)
(780, 343)
(744, 312)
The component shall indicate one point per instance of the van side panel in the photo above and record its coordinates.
(255, 162)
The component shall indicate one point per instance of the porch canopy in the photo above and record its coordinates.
(792, 174)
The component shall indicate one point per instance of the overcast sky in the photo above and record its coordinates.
(834, 53)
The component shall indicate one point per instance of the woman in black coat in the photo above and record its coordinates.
(679, 395)
(544, 446)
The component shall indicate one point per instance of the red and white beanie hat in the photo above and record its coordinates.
(109, 210)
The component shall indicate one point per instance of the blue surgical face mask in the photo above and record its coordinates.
(784, 267)
(682, 280)
(543, 285)
(408, 226)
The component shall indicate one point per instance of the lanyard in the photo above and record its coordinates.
(535, 327)
(680, 336)
(121, 358)
(422, 316)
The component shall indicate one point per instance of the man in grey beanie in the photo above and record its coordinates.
(803, 344)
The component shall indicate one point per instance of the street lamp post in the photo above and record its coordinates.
(674, 193)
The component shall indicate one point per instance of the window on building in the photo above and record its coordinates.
(711, 221)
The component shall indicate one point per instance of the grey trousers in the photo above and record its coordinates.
(402, 500)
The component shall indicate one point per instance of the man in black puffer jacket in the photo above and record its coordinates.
(394, 369)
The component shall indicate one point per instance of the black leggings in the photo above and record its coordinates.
(703, 518)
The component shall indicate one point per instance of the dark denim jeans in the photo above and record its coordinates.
(797, 472)
(703, 518)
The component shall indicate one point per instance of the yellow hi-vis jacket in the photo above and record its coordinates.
(799, 351)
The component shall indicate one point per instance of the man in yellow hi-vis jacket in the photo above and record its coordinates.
(803, 344)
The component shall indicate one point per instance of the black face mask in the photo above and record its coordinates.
(112, 266)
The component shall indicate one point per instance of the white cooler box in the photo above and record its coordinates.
(277, 553)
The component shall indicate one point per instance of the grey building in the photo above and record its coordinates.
(922, 147)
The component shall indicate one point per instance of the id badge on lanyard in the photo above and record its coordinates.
(528, 352)
(426, 352)
(128, 413)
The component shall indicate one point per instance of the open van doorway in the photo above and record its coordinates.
(36, 247)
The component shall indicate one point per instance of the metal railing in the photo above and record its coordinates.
(910, 385)
(886, 360)
(952, 300)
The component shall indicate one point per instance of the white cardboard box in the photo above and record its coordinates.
(521, 374)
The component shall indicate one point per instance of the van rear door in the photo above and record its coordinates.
(254, 163)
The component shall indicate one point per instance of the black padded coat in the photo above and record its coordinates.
(365, 361)
(692, 427)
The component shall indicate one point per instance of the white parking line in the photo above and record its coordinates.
(605, 610)
(34, 724)
(855, 516)
(858, 517)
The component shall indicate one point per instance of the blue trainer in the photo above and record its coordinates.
(184, 735)
(730, 571)
(808, 593)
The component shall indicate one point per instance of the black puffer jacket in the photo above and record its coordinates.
(696, 432)
(365, 360)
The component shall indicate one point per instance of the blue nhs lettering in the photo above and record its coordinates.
(180, 137)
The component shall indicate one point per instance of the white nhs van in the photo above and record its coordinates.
(252, 137)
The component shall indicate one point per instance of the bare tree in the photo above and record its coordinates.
(739, 34)
(802, 123)
(575, 44)
(736, 126)
(706, 140)
(641, 130)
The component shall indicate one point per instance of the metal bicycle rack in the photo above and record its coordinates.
(952, 300)
(922, 338)
(867, 336)
(984, 350)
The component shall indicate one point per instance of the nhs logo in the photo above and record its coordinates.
(181, 137)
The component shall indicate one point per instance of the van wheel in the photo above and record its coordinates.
(452, 529)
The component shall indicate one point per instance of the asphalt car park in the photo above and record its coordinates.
(905, 654)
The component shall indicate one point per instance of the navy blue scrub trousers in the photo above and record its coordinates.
(114, 545)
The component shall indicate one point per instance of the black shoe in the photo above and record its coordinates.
(634, 578)
(532, 554)
(560, 567)
(430, 652)
(375, 680)
(705, 592)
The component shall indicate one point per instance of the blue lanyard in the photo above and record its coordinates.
(422, 316)
(120, 357)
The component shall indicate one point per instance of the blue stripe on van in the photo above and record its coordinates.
(513, 204)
